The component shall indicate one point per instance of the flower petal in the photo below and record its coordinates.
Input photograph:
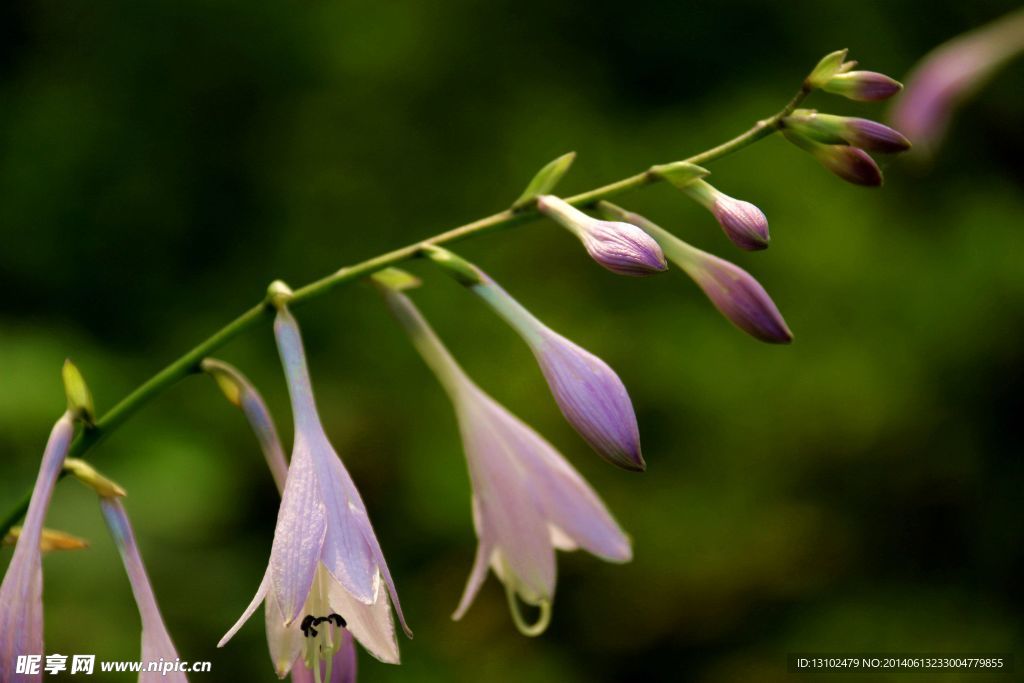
(481, 563)
(261, 595)
(372, 625)
(494, 440)
(285, 642)
(346, 553)
(299, 535)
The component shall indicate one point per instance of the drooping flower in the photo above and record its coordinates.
(21, 594)
(737, 295)
(527, 499)
(240, 392)
(953, 72)
(590, 395)
(852, 164)
(621, 248)
(156, 642)
(742, 222)
(326, 571)
(829, 129)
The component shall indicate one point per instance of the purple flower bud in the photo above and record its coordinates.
(952, 73)
(834, 130)
(620, 247)
(589, 393)
(849, 163)
(743, 223)
(737, 295)
(863, 86)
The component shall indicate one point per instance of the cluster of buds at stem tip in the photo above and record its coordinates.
(590, 395)
(620, 247)
(835, 75)
(733, 291)
(742, 222)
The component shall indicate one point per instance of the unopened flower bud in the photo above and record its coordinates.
(742, 222)
(88, 475)
(50, 540)
(733, 291)
(620, 247)
(835, 130)
(77, 391)
(863, 86)
(849, 163)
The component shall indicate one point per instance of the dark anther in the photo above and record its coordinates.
(309, 622)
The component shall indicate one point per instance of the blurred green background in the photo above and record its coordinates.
(161, 162)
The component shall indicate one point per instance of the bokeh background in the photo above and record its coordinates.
(161, 162)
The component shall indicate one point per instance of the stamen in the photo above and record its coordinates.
(543, 619)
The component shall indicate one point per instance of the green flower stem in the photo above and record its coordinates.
(190, 362)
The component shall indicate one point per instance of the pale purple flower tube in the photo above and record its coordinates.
(621, 248)
(21, 594)
(590, 395)
(156, 642)
(742, 222)
(953, 72)
(733, 291)
(325, 561)
(527, 499)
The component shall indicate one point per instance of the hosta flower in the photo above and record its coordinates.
(527, 500)
(326, 572)
(839, 130)
(742, 222)
(737, 295)
(156, 642)
(952, 73)
(621, 248)
(849, 163)
(21, 594)
(588, 392)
